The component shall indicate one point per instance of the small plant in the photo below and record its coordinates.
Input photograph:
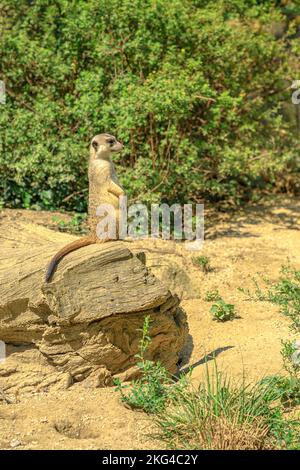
(212, 296)
(203, 263)
(285, 292)
(150, 392)
(287, 389)
(257, 295)
(222, 311)
(75, 225)
(290, 353)
(60, 223)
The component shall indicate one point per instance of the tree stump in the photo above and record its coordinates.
(85, 324)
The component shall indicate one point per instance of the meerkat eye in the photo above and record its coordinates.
(110, 141)
(95, 145)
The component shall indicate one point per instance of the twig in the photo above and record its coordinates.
(74, 194)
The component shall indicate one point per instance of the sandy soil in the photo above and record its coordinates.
(239, 244)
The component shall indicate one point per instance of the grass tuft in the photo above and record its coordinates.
(221, 415)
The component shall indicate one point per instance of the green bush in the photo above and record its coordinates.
(192, 87)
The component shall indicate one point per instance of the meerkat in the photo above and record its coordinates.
(104, 188)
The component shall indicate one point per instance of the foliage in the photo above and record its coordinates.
(75, 225)
(285, 292)
(290, 353)
(194, 89)
(218, 414)
(223, 415)
(288, 389)
(212, 296)
(203, 263)
(150, 392)
(223, 311)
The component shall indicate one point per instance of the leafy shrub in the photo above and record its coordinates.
(155, 386)
(148, 393)
(223, 311)
(194, 89)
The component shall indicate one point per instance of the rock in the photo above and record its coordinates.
(171, 270)
(86, 322)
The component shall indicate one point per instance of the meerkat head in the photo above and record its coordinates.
(103, 145)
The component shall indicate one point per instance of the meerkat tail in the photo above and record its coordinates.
(85, 241)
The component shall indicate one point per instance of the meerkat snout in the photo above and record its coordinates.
(103, 145)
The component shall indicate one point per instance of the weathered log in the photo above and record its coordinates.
(86, 321)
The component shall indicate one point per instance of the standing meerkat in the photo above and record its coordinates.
(104, 188)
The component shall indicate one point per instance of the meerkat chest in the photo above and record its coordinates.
(101, 173)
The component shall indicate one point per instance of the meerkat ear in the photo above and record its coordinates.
(95, 145)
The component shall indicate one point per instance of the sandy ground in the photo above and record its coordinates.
(239, 244)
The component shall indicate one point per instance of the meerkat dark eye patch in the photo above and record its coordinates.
(110, 141)
(95, 145)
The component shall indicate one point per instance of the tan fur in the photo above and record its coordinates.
(104, 187)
